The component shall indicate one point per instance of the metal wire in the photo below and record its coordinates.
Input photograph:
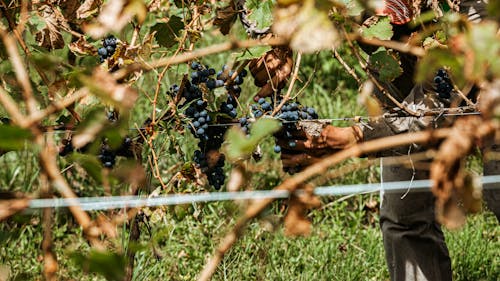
(119, 202)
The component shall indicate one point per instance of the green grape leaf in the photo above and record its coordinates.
(251, 53)
(13, 138)
(387, 65)
(239, 146)
(354, 7)
(261, 12)
(108, 264)
(483, 40)
(36, 22)
(437, 58)
(167, 33)
(90, 164)
(381, 30)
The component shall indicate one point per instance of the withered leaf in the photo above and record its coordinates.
(82, 47)
(105, 86)
(50, 37)
(453, 186)
(296, 221)
(225, 18)
(115, 14)
(307, 28)
(88, 8)
(69, 8)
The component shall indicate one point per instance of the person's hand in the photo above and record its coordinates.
(272, 70)
(303, 149)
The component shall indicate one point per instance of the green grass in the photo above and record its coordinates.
(342, 246)
(345, 243)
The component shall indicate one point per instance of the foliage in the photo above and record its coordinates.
(94, 102)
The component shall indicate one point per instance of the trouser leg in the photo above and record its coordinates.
(414, 243)
(491, 192)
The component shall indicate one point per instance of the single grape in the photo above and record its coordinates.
(195, 65)
(102, 51)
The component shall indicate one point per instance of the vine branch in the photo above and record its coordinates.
(321, 167)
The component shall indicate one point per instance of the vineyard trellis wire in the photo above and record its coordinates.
(125, 202)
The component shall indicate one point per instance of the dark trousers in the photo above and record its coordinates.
(414, 244)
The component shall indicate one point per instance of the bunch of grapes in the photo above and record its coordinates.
(106, 155)
(108, 48)
(204, 78)
(443, 84)
(290, 113)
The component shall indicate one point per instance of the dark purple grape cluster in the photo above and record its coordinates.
(108, 48)
(202, 120)
(107, 156)
(66, 148)
(290, 113)
(443, 84)
(215, 172)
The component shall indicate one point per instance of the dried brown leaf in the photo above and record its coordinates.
(453, 187)
(307, 28)
(106, 226)
(296, 221)
(69, 8)
(105, 86)
(82, 47)
(50, 37)
(88, 8)
(225, 18)
(114, 15)
(489, 101)
(131, 173)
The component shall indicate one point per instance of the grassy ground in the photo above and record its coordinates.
(345, 243)
(342, 246)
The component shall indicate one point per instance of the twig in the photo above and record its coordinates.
(17, 31)
(462, 95)
(10, 105)
(374, 79)
(214, 49)
(49, 257)
(290, 87)
(12, 207)
(21, 73)
(390, 44)
(49, 166)
(321, 167)
(56, 106)
(346, 66)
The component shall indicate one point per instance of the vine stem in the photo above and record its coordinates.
(50, 265)
(48, 162)
(295, 76)
(321, 167)
(346, 66)
(19, 69)
(349, 38)
(214, 49)
(390, 44)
